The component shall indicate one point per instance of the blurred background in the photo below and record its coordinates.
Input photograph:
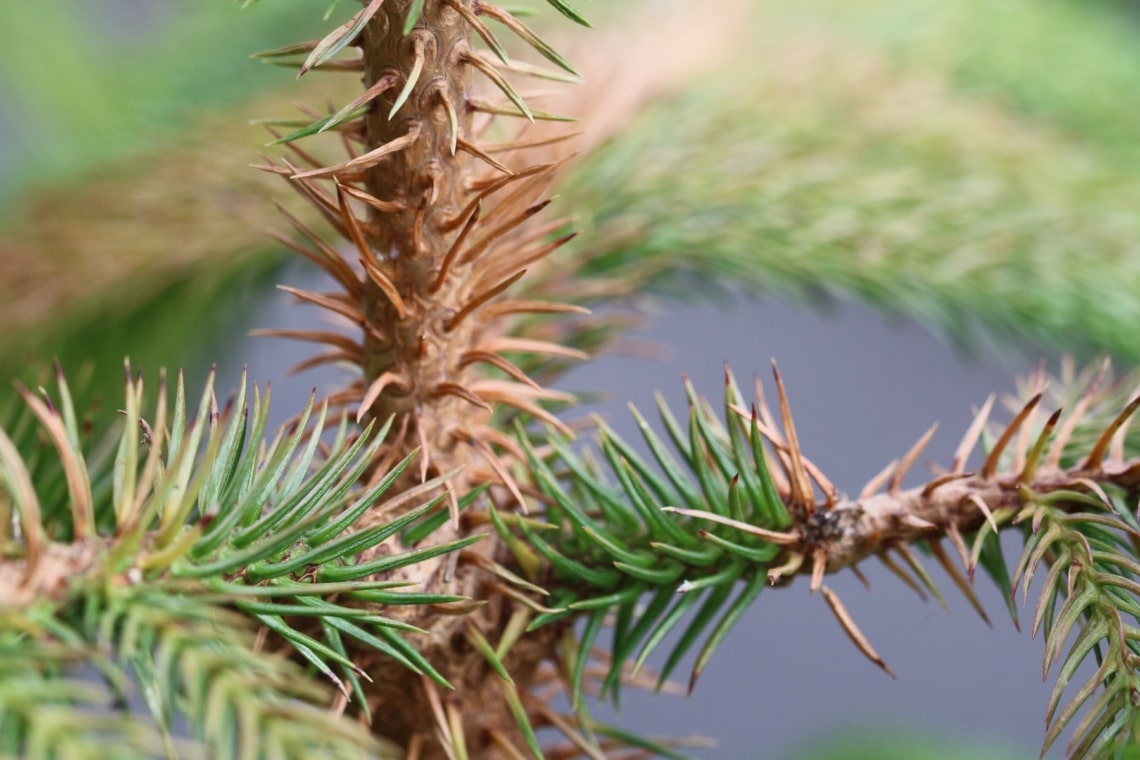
(906, 202)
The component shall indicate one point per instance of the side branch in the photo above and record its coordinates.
(856, 529)
(760, 513)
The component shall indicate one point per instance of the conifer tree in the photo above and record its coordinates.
(430, 540)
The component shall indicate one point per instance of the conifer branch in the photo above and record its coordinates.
(431, 276)
(747, 521)
(198, 532)
(313, 541)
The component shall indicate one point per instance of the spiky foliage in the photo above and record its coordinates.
(437, 236)
(85, 277)
(429, 264)
(132, 566)
(437, 201)
(167, 579)
(686, 541)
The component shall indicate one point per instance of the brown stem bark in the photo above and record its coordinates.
(412, 340)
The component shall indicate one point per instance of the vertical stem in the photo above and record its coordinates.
(427, 179)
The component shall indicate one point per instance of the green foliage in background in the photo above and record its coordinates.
(1063, 64)
(87, 83)
(110, 122)
(894, 743)
(858, 154)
